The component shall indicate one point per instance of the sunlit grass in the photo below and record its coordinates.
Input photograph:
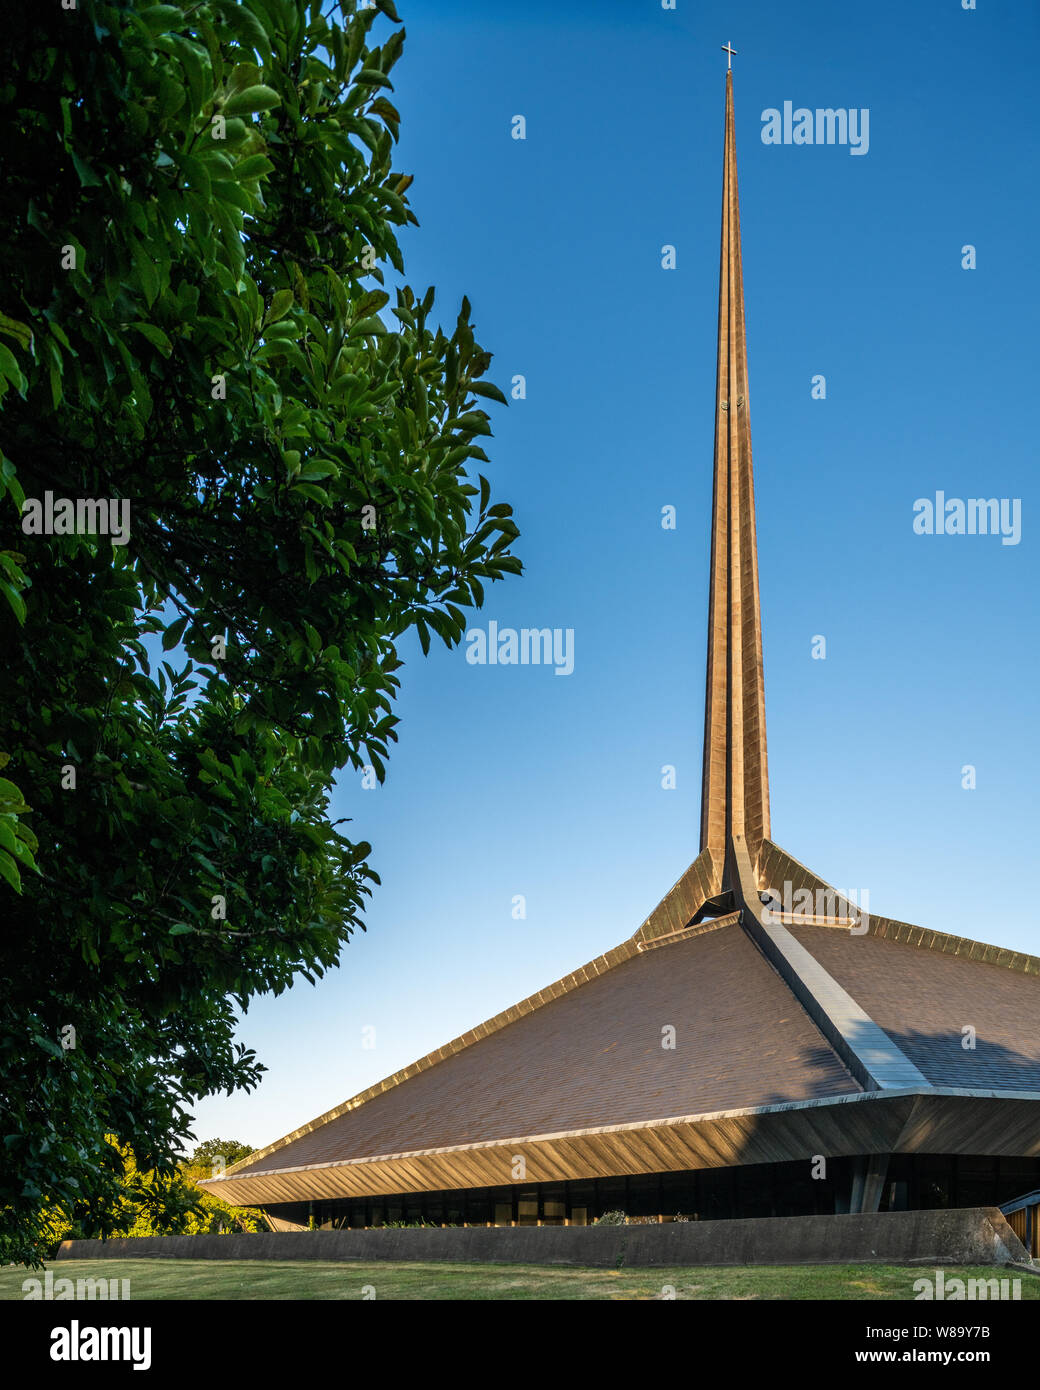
(311, 1279)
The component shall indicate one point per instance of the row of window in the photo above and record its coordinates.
(784, 1189)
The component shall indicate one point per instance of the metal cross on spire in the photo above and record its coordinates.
(728, 48)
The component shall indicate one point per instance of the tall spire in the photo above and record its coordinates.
(735, 789)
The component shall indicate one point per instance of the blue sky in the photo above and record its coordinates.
(511, 780)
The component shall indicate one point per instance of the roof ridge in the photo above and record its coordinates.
(729, 919)
(893, 929)
(867, 1050)
(700, 881)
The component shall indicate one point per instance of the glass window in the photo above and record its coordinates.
(610, 1194)
(478, 1211)
(643, 1198)
(527, 1209)
(754, 1191)
(554, 1210)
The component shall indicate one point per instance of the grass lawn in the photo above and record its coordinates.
(312, 1279)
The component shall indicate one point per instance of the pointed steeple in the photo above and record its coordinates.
(735, 789)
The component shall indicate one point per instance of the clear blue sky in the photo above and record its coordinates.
(510, 780)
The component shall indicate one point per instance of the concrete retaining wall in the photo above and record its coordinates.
(970, 1235)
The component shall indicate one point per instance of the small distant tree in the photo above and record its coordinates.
(216, 1153)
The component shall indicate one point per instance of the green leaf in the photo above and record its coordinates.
(147, 274)
(10, 793)
(317, 494)
(161, 18)
(10, 369)
(87, 177)
(231, 193)
(243, 75)
(174, 633)
(194, 71)
(372, 77)
(366, 326)
(155, 336)
(251, 99)
(370, 303)
(27, 837)
(486, 388)
(9, 871)
(252, 167)
(381, 107)
(246, 25)
(7, 839)
(281, 302)
(14, 328)
(14, 599)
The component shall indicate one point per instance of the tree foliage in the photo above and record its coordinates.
(151, 1203)
(213, 1156)
(199, 215)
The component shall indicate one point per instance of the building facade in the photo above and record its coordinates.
(760, 1046)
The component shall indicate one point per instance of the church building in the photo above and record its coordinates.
(760, 1046)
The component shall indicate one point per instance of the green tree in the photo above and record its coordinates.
(217, 1154)
(199, 216)
(149, 1203)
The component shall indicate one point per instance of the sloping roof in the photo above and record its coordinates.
(780, 1032)
(594, 1056)
(924, 999)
